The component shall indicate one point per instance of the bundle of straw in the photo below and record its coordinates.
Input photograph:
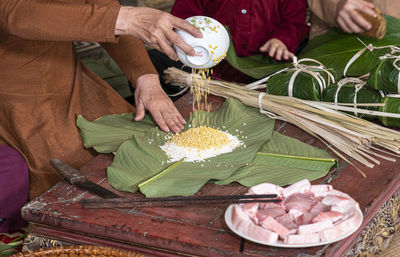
(344, 134)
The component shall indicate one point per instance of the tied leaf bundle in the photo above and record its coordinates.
(386, 75)
(355, 92)
(345, 134)
(305, 80)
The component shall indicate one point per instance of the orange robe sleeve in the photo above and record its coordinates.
(55, 20)
(76, 20)
(131, 56)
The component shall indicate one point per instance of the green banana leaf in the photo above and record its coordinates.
(141, 164)
(334, 49)
(283, 160)
(305, 86)
(347, 94)
(107, 133)
(392, 105)
(385, 77)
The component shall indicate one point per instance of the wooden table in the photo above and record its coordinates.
(201, 231)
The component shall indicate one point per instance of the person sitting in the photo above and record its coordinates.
(345, 15)
(274, 28)
(44, 85)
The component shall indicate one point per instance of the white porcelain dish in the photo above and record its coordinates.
(228, 221)
(211, 48)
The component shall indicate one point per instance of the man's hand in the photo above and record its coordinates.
(149, 95)
(155, 28)
(350, 20)
(276, 49)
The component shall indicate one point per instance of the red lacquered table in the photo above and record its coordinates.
(59, 219)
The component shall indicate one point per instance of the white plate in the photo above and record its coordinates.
(228, 220)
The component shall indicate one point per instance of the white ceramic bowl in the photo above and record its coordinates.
(213, 46)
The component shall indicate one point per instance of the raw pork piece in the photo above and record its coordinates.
(302, 239)
(301, 186)
(321, 190)
(319, 207)
(299, 201)
(266, 188)
(315, 227)
(268, 205)
(307, 217)
(251, 209)
(287, 221)
(272, 212)
(335, 200)
(273, 225)
(341, 228)
(330, 215)
(243, 224)
(347, 210)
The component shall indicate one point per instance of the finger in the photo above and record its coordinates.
(272, 50)
(178, 41)
(178, 115)
(159, 119)
(287, 55)
(367, 8)
(360, 20)
(171, 121)
(353, 27)
(279, 53)
(265, 47)
(185, 25)
(165, 47)
(140, 111)
(343, 25)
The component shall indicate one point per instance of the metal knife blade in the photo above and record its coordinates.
(74, 177)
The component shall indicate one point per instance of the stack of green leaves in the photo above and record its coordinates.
(140, 163)
(334, 49)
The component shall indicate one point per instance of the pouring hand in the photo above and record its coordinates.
(155, 28)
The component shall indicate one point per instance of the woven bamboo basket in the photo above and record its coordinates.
(79, 251)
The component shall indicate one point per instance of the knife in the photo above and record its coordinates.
(74, 177)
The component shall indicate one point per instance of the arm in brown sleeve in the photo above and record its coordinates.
(131, 56)
(56, 20)
(325, 10)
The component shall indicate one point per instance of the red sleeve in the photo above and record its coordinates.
(56, 20)
(187, 8)
(293, 28)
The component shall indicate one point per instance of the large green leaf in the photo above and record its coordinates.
(334, 49)
(140, 164)
(107, 133)
(283, 160)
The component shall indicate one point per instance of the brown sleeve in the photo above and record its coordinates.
(56, 20)
(325, 10)
(131, 56)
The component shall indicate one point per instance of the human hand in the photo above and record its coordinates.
(350, 20)
(149, 95)
(156, 28)
(276, 49)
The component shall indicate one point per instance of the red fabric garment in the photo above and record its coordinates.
(252, 23)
